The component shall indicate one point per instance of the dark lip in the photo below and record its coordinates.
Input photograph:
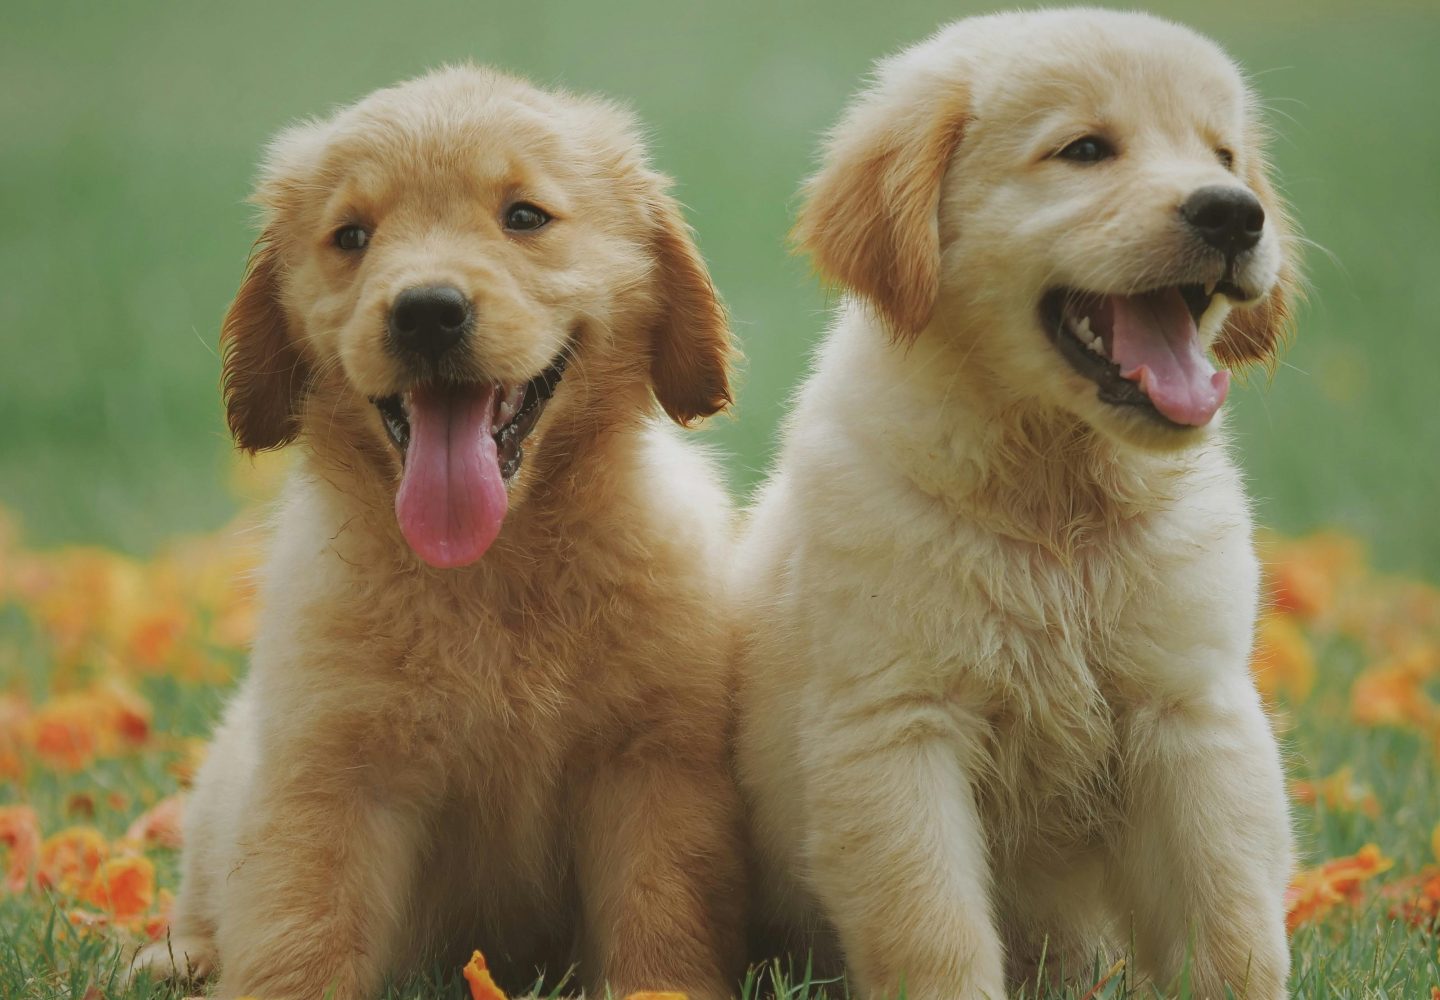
(1112, 387)
(509, 437)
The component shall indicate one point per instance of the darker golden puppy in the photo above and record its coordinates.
(487, 704)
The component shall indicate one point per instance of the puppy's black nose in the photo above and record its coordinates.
(1230, 219)
(429, 320)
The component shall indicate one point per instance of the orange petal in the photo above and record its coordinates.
(482, 987)
(123, 887)
(1315, 892)
(20, 835)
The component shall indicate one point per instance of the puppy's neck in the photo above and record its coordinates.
(1027, 472)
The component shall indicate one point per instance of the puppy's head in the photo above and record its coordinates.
(1080, 199)
(451, 272)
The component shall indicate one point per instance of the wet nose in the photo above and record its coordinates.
(429, 320)
(1230, 219)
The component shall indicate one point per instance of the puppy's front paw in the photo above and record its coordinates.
(181, 959)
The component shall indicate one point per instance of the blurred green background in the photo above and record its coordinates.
(128, 133)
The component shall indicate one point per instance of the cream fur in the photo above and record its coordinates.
(995, 695)
(528, 755)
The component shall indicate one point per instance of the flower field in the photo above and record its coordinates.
(114, 668)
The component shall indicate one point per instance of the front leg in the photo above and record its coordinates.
(895, 847)
(658, 852)
(317, 900)
(1206, 853)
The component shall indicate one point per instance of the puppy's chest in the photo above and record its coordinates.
(1038, 647)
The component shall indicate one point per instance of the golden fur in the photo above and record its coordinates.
(527, 755)
(995, 699)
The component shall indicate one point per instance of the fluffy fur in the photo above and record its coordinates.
(995, 697)
(527, 755)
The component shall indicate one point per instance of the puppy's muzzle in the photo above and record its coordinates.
(1230, 219)
(427, 322)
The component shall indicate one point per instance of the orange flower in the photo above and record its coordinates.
(70, 858)
(68, 732)
(123, 887)
(482, 986)
(154, 638)
(1306, 575)
(63, 735)
(160, 825)
(1313, 893)
(1340, 793)
(1393, 693)
(1282, 661)
(20, 835)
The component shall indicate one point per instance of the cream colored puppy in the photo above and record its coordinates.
(488, 702)
(999, 592)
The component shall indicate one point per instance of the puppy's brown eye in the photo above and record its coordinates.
(352, 237)
(522, 217)
(1090, 149)
(1226, 158)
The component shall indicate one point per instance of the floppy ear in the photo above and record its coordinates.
(690, 343)
(263, 374)
(871, 214)
(1256, 333)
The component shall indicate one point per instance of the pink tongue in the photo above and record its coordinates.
(1155, 343)
(452, 498)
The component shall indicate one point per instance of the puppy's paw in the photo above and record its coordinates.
(181, 959)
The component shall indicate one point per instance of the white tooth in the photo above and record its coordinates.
(1082, 329)
(1096, 346)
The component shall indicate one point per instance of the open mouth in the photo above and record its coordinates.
(460, 444)
(1142, 351)
(516, 412)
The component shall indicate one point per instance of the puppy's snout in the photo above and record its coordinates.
(427, 321)
(1230, 219)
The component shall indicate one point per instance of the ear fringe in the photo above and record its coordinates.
(263, 374)
(691, 348)
(870, 219)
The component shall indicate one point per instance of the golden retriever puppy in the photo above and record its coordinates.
(488, 698)
(998, 594)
